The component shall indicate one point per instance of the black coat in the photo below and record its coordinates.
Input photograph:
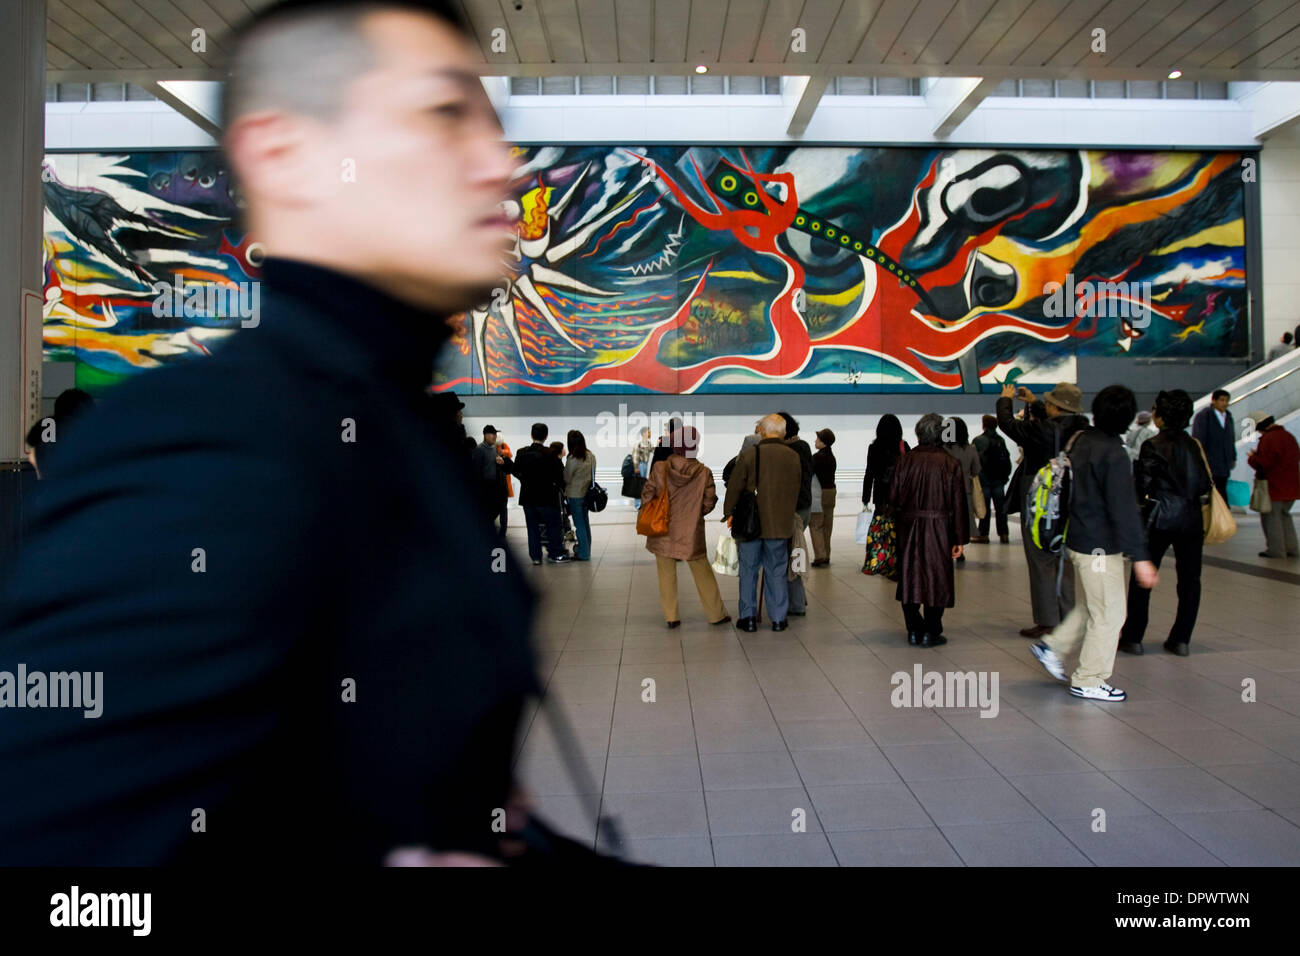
(1219, 441)
(325, 562)
(1040, 441)
(541, 475)
(929, 499)
(1170, 478)
(881, 460)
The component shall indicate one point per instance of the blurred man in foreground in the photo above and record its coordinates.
(254, 556)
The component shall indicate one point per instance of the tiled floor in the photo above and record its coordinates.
(784, 749)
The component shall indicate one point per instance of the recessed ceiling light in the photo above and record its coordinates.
(1175, 74)
(701, 69)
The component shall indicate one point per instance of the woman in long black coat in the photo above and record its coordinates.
(929, 499)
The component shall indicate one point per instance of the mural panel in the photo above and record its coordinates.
(700, 269)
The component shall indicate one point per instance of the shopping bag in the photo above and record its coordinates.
(882, 547)
(726, 556)
(1259, 499)
(977, 499)
(652, 519)
(864, 525)
(1216, 518)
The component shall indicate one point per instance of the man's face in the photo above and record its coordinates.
(1221, 403)
(402, 186)
(1052, 410)
(490, 438)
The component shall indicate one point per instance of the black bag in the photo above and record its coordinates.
(596, 498)
(746, 523)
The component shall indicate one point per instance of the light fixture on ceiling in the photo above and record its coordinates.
(1175, 74)
(701, 69)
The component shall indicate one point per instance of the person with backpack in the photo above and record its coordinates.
(1171, 476)
(691, 496)
(579, 476)
(995, 469)
(1041, 440)
(1103, 528)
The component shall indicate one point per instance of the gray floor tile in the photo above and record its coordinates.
(1137, 841)
(1122, 751)
(876, 806)
(917, 847)
(1063, 797)
(791, 849)
(1244, 838)
(1031, 755)
(677, 813)
(866, 764)
(945, 761)
(748, 812)
(1275, 785)
(652, 773)
(670, 851)
(824, 734)
(916, 728)
(1036, 843)
(749, 771)
(1181, 790)
(983, 800)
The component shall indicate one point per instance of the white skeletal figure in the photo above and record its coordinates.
(532, 263)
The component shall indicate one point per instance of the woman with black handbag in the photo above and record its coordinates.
(579, 476)
(1171, 476)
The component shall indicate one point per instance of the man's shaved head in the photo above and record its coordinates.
(362, 140)
(299, 55)
(772, 426)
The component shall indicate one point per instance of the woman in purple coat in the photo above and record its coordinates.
(929, 499)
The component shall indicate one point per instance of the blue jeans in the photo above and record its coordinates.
(771, 556)
(535, 517)
(581, 526)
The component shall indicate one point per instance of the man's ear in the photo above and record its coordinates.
(273, 156)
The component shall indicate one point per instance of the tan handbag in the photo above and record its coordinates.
(1216, 518)
(1259, 497)
(977, 498)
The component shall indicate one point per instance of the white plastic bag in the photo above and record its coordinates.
(864, 525)
(726, 556)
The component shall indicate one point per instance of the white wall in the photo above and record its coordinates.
(1279, 185)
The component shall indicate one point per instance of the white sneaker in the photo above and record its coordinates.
(1102, 691)
(1047, 657)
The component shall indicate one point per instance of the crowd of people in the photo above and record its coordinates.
(1137, 487)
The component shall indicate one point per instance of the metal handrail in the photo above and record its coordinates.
(1260, 388)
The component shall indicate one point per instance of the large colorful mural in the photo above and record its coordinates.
(699, 269)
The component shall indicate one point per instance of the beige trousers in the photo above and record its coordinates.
(821, 524)
(1091, 628)
(705, 583)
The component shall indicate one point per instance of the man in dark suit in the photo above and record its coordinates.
(258, 558)
(541, 477)
(1213, 428)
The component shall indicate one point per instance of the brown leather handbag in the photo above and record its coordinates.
(652, 519)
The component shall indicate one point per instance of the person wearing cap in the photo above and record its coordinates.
(1213, 428)
(823, 517)
(691, 496)
(490, 470)
(1276, 459)
(1041, 439)
(1142, 430)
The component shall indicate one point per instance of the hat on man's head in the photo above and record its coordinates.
(827, 436)
(489, 430)
(1066, 397)
(1262, 420)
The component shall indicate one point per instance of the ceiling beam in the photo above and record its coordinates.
(186, 105)
(1273, 107)
(953, 98)
(805, 92)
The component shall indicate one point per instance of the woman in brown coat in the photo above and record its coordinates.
(691, 496)
(929, 499)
